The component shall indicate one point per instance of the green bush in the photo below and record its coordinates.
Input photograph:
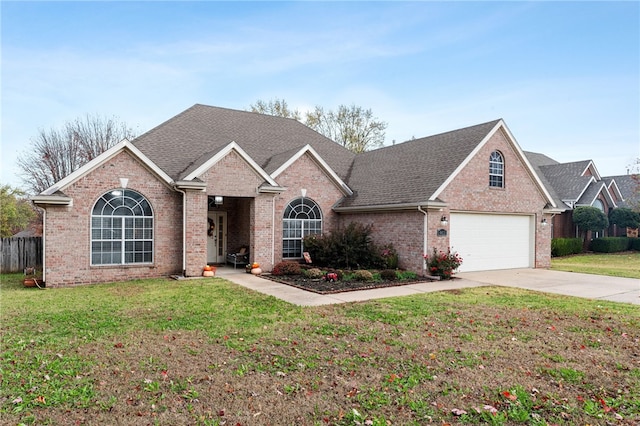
(389, 275)
(362, 275)
(407, 275)
(313, 273)
(286, 268)
(610, 244)
(565, 246)
(443, 264)
(348, 247)
(634, 244)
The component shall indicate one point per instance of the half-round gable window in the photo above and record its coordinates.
(496, 170)
(598, 204)
(301, 217)
(121, 229)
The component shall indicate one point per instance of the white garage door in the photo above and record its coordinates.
(491, 241)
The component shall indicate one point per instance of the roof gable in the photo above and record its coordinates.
(102, 158)
(500, 126)
(308, 149)
(591, 193)
(220, 154)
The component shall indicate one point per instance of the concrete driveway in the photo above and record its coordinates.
(589, 286)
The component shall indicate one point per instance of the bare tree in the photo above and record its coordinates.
(55, 153)
(277, 107)
(353, 127)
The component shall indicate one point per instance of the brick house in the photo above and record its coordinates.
(578, 184)
(211, 180)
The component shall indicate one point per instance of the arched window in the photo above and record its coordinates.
(121, 229)
(598, 204)
(496, 170)
(302, 217)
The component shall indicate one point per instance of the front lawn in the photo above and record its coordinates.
(209, 352)
(626, 264)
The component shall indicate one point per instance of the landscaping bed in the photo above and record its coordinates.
(323, 286)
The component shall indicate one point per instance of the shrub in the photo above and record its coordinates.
(362, 275)
(610, 244)
(389, 256)
(443, 264)
(634, 244)
(624, 217)
(313, 273)
(565, 246)
(389, 275)
(407, 275)
(590, 218)
(286, 268)
(347, 247)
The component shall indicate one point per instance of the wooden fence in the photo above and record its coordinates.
(18, 253)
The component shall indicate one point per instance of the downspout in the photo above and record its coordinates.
(425, 228)
(184, 230)
(273, 230)
(44, 242)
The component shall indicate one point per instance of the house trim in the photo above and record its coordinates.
(232, 146)
(430, 205)
(318, 159)
(100, 159)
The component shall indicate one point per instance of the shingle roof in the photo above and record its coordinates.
(537, 160)
(184, 142)
(566, 179)
(629, 189)
(411, 172)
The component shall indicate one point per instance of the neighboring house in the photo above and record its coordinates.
(578, 184)
(211, 180)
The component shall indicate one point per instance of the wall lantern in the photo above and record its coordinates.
(217, 200)
(443, 220)
(543, 222)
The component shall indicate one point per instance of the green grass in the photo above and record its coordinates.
(208, 352)
(625, 264)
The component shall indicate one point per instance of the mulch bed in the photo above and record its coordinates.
(321, 286)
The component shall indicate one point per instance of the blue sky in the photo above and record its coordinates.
(565, 76)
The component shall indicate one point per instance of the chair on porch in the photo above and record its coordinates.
(241, 257)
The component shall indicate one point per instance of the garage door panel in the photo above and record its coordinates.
(487, 241)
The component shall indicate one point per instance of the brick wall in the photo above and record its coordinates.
(470, 192)
(305, 174)
(67, 233)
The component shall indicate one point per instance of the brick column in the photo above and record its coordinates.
(196, 232)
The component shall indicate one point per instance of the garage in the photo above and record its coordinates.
(492, 241)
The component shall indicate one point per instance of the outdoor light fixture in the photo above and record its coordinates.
(443, 220)
(544, 222)
(217, 200)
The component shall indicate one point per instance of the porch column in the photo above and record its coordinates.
(195, 247)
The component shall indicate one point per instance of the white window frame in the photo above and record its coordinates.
(123, 219)
(301, 217)
(496, 170)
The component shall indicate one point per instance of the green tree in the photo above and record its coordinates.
(589, 218)
(353, 127)
(55, 153)
(624, 217)
(15, 211)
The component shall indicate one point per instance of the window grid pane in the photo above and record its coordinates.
(301, 217)
(121, 229)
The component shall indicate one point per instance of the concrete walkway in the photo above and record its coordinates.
(567, 283)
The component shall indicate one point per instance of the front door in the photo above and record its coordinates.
(217, 237)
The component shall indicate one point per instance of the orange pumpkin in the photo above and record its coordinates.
(208, 268)
(255, 265)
